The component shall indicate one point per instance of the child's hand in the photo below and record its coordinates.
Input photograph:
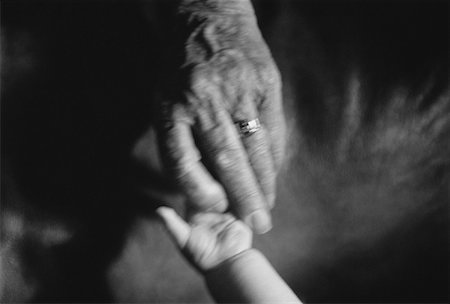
(210, 239)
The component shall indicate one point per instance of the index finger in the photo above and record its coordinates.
(178, 229)
(183, 162)
(272, 115)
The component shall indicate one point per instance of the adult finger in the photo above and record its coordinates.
(183, 161)
(258, 148)
(261, 160)
(219, 140)
(272, 116)
(178, 229)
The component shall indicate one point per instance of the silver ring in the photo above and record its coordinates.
(247, 128)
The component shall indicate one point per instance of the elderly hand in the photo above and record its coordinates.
(226, 76)
(209, 239)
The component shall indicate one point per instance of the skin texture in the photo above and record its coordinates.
(362, 197)
(209, 239)
(226, 75)
(220, 247)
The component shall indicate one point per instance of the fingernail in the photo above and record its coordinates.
(260, 221)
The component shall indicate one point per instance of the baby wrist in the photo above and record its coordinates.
(237, 259)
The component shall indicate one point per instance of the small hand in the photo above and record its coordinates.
(209, 239)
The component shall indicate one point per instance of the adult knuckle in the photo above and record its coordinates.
(230, 57)
(199, 79)
(231, 65)
(270, 74)
(226, 157)
(210, 196)
(248, 199)
(258, 150)
(181, 163)
(200, 84)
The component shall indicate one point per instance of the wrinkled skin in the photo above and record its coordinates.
(361, 212)
(227, 75)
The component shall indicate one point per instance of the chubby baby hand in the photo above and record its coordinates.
(209, 238)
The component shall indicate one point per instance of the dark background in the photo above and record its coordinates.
(78, 86)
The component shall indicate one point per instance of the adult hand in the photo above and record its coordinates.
(227, 75)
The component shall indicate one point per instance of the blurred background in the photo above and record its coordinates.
(363, 196)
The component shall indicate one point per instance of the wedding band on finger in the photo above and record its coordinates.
(247, 128)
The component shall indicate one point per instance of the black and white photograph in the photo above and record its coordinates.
(225, 151)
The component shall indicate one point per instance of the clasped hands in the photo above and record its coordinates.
(226, 75)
